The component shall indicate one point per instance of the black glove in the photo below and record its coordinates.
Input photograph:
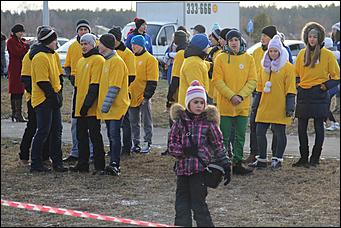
(60, 99)
(84, 110)
(227, 176)
(54, 100)
(191, 151)
(72, 79)
(290, 105)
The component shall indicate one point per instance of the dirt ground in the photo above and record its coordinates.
(146, 191)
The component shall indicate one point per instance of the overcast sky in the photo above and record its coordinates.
(18, 6)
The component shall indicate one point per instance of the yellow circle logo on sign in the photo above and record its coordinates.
(215, 8)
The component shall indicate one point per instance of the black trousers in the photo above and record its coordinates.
(30, 130)
(126, 129)
(90, 126)
(303, 138)
(191, 196)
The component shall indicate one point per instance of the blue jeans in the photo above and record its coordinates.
(169, 73)
(74, 150)
(279, 135)
(114, 135)
(49, 121)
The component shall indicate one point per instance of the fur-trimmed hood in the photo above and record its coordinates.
(210, 113)
(313, 25)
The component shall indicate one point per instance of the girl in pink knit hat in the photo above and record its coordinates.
(195, 140)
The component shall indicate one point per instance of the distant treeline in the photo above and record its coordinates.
(289, 21)
(65, 21)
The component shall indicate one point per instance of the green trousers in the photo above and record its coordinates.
(240, 123)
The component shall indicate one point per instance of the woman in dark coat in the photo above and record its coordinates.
(17, 48)
(318, 72)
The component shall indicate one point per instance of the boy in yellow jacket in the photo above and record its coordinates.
(234, 77)
(141, 90)
(88, 74)
(46, 100)
(194, 66)
(129, 59)
(113, 98)
(74, 53)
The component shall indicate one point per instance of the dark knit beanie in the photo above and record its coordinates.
(270, 31)
(18, 28)
(40, 27)
(233, 33)
(180, 37)
(224, 32)
(116, 31)
(199, 28)
(139, 22)
(108, 40)
(46, 36)
(216, 34)
(83, 23)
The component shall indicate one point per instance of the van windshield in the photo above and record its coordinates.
(152, 31)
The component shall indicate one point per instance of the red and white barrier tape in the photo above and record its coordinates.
(79, 214)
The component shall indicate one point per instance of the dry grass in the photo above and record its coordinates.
(146, 191)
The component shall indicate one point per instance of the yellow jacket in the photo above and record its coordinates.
(235, 78)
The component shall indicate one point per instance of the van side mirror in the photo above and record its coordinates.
(163, 41)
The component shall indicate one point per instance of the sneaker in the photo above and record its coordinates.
(78, 168)
(136, 149)
(337, 126)
(275, 164)
(113, 169)
(250, 159)
(166, 152)
(47, 163)
(314, 163)
(258, 164)
(301, 163)
(42, 169)
(239, 169)
(60, 169)
(146, 148)
(331, 127)
(70, 159)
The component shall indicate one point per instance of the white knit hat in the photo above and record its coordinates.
(336, 26)
(195, 90)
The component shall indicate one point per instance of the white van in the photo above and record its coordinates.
(161, 34)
